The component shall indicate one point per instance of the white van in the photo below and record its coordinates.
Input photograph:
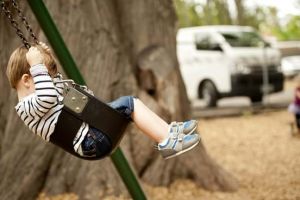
(222, 61)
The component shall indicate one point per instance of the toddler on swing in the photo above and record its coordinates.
(33, 73)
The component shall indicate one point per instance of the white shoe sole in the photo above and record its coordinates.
(181, 152)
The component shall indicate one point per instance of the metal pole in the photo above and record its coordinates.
(42, 15)
(266, 86)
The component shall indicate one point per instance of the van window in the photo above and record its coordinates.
(202, 42)
(243, 39)
(206, 42)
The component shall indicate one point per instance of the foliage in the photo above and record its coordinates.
(191, 13)
(291, 31)
(187, 13)
(217, 12)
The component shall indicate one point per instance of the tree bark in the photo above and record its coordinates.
(223, 12)
(240, 12)
(117, 44)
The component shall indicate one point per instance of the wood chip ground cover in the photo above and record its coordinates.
(257, 149)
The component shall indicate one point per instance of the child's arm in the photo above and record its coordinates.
(45, 93)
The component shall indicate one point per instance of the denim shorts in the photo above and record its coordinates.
(124, 105)
(98, 144)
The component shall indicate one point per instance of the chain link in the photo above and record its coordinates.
(25, 22)
(15, 24)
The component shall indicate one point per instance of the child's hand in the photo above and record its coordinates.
(34, 56)
(44, 46)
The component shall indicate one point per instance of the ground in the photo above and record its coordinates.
(258, 150)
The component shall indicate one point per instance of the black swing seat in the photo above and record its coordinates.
(79, 107)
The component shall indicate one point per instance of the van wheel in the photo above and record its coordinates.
(256, 98)
(209, 94)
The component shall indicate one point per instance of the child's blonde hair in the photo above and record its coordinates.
(18, 65)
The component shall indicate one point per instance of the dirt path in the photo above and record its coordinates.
(257, 149)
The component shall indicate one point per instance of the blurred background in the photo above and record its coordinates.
(276, 24)
(275, 19)
(240, 61)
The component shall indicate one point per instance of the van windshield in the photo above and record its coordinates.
(243, 39)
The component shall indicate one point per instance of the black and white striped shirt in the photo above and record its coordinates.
(40, 110)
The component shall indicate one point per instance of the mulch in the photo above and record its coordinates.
(259, 150)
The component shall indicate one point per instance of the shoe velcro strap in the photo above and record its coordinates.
(176, 127)
(178, 139)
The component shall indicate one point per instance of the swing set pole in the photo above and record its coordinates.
(55, 39)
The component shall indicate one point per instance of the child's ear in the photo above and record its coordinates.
(26, 80)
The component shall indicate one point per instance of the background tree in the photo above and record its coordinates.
(217, 12)
(122, 47)
(223, 13)
(187, 13)
(240, 8)
(291, 30)
(194, 13)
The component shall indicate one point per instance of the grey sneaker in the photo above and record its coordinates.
(178, 143)
(187, 127)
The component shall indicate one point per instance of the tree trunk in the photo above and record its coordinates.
(223, 12)
(241, 14)
(122, 48)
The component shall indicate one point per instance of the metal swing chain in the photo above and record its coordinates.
(25, 22)
(15, 24)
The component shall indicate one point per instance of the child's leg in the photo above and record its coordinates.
(148, 122)
(173, 139)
